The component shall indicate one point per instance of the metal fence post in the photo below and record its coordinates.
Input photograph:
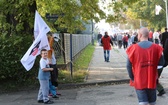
(71, 56)
(92, 34)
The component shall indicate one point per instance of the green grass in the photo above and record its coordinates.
(80, 66)
(84, 59)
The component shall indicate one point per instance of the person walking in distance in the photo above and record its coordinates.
(156, 36)
(99, 36)
(119, 40)
(150, 38)
(133, 38)
(164, 37)
(142, 62)
(106, 41)
(164, 42)
(125, 41)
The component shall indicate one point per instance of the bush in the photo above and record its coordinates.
(12, 50)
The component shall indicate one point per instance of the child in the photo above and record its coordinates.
(44, 76)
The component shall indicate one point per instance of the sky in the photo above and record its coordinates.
(103, 27)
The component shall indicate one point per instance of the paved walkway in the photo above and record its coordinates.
(99, 71)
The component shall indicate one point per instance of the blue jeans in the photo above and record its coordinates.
(146, 96)
(99, 41)
(52, 89)
(106, 55)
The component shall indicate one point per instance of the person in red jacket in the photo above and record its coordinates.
(142, 62)
(125, 41)
(106, 41)
(150, 38)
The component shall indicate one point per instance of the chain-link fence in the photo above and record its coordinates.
(62, 47)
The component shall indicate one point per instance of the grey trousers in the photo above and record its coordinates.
(44, 90)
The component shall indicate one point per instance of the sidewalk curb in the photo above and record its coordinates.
(78, 85)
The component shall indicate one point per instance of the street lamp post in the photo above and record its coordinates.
(140, 23)
(166, 14)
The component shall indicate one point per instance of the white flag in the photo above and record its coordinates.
(157, 9)
(40, 42)
(56, 37)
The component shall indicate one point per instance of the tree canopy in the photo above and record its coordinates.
(17, 16)
(145, 10)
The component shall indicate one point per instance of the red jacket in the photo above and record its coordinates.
(106, 40)
(144, 65)
(125, 39)
(150, 34)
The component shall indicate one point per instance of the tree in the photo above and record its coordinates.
(130, 16)
(75, 12)
(145, 10)
(17, 16)
(118, 9)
